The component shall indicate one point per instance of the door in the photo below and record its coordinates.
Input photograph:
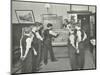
(85, 23)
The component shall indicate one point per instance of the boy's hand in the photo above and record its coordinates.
(21, 52)
(23, 58)
(77, 51)
(57, 34)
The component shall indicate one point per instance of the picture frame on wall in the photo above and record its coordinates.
(25, 16)
(49, 18)
(52, 18)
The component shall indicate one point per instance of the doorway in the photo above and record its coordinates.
(85, 23)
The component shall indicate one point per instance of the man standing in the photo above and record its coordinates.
(26, 51)
(29, 49)
(39, 44)
(77, 48)
(48, 34)
(36, 45)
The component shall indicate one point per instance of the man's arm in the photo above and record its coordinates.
(39, 36)
(28, 46)
(21, 47)
(21, 42)
(71, 38)
(85, 36)
(52, 33)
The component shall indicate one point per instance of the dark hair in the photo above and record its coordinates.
(36, 23)
(66, 20)
(49, 25)
(41, 23)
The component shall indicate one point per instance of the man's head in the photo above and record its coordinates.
(34, 27)
(66, 21)
(49, 25)
(26, 29)
(40, 27)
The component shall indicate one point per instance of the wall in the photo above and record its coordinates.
(39, 9)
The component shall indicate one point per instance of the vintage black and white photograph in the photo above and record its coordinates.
(52, 37)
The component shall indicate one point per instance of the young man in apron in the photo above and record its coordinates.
(77, 48)
(48, 34)
(40, 47)
(29, 50)
(38, 43)
(26, 51)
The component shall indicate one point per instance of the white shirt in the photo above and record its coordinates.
(38, 36)
(28, 42)
(71, 38)
(52, 33)
(28, 45)
(79, 36)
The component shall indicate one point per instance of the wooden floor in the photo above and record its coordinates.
(63, 62)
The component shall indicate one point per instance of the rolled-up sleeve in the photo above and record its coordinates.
(52, 33)
(38, 36)
(28, 43)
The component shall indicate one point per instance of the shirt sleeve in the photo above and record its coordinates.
(71, 38)
(38, 36)
(52, 33)
(28, 43)
(85, 36)
(21, 46)
(79, 36)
